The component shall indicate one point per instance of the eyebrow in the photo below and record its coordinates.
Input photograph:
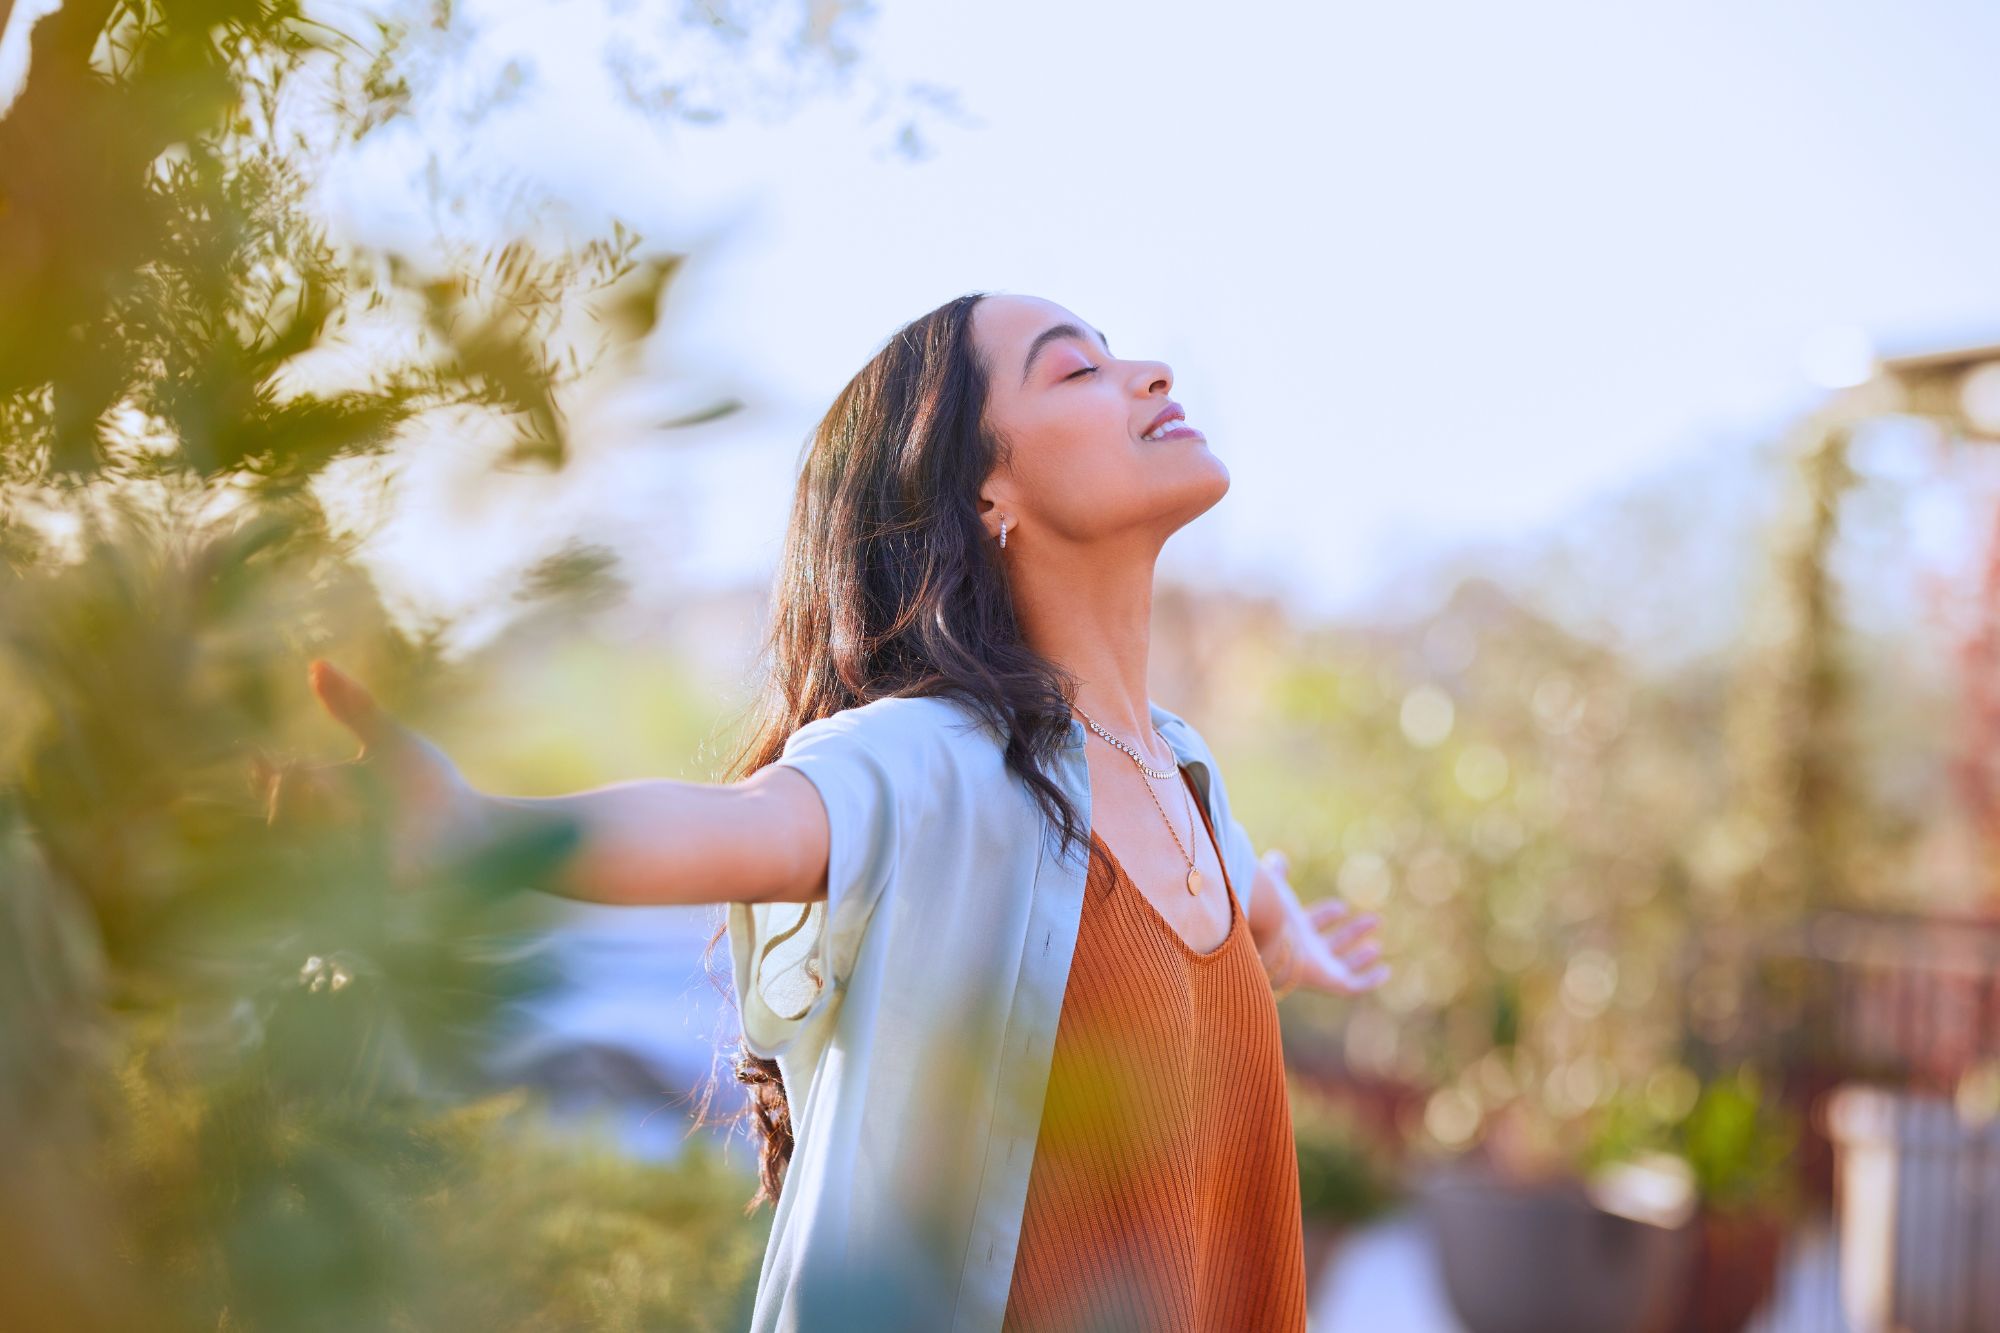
(1056, 333)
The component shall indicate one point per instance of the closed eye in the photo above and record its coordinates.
(1085, 371)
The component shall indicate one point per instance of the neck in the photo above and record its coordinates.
(1093, 617)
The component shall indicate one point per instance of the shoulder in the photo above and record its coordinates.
(1192, 746)
(1182, 734)
(908, 729)
(898, 763)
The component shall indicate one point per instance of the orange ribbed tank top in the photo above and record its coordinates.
(1164, 1192)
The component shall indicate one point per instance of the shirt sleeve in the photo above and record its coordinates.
(789, 960)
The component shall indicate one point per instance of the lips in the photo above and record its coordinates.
(1168, 413)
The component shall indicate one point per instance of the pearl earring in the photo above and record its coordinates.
(1003, 534)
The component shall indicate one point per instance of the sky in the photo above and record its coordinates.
(1426, 275)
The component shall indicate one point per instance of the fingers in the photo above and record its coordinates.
(351, 705)
(1350, 976)
(1372, 978)
(1363, 956)
(1332, 915)
(1345, 936)
(1360, 969)
(297, 794)
(1326, 911)
(1329, 914)
(1354, 964)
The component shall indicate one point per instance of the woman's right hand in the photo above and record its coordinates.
(432, 810)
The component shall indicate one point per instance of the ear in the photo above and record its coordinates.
(994, 502)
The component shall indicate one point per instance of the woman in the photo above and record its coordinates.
(1005, 959)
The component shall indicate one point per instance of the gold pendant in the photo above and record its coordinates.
(1194, 880)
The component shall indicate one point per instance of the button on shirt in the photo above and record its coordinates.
(913, 1011)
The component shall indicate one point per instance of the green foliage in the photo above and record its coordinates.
(163, 287)
(1345, 1177)
(1527, 811)
(236, 1061)
(1740, 1143)
(1573, 876)
(1736, 1137)
(152, 259)
(312, 1214)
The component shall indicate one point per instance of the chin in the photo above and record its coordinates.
(1215, 475)
(1204, 488)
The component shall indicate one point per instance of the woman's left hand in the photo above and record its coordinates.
(1324, 947)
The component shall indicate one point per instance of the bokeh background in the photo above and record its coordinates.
(1606, 594)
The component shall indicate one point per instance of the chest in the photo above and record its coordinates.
(1155, 828)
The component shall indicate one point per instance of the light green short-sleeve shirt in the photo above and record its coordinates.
(913, 1012)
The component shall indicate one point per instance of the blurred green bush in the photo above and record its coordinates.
(240, 1074)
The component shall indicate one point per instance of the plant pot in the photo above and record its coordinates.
(1735, 1269)
(1540, 1257)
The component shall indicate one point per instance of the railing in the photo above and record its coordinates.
(1874, 1022)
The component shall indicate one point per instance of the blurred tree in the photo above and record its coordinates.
(234, 1056)
(1580, 843)
(1794, 759)
(1527, 809)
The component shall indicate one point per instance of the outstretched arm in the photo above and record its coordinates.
(655, 841)
(1264, 909)
(659, 841)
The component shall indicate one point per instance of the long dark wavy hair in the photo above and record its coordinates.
(890, 586)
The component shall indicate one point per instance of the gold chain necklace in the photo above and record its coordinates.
(1193, 875)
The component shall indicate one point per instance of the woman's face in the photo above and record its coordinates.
(1076, 416)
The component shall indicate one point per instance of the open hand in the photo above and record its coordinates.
(1329, 946)
(431, 808)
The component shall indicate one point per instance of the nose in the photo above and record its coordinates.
(1155, 375)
